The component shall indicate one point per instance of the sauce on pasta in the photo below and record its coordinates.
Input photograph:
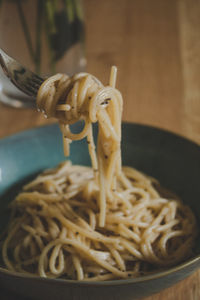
(101, 223)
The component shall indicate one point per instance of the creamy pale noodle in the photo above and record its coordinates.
(99, 223)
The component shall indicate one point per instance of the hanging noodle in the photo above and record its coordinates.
(99, 223)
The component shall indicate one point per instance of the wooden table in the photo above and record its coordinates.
(156, 46)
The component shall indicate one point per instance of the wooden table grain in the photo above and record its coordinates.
(156, 46)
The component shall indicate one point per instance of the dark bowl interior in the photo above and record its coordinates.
(173, 160)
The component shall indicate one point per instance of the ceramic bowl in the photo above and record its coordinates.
(173, 160)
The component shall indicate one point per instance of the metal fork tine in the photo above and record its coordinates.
(31, 90)
(33, 83)
(21, 77)
(37, 79)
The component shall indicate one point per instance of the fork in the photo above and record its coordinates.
(25, 80)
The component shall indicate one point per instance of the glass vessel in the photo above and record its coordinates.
(46, 36)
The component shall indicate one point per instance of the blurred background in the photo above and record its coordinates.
(156, 47)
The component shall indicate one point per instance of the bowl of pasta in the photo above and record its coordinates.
(54, 245)
(113, 216)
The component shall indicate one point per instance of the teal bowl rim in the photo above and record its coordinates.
(144, 278)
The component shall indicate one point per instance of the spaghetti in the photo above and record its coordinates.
(99, 223)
